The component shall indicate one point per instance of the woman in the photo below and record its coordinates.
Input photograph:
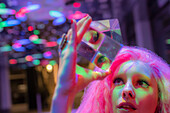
(136, 82)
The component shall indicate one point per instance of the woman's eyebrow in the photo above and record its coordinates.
(143, 76)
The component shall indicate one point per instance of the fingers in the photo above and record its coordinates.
(79, 24)
(83, 28)
(85, 76)
(73, 36)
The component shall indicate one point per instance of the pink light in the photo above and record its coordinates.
(51, 44)
(12, 61)
(23, 10)
(76, 4)
(16, 45)
(33, 37)
(77, 15)
(44, 62)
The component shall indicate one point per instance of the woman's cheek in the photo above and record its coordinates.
(116, 93)
(144, 94)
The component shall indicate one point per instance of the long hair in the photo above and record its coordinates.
(97, 96)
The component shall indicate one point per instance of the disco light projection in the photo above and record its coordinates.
(33, 37)
(51, 44)
(21, 14)
(12, 61)
(39, 41)
(6, 11)
(36, 62)
(1, 29)
(37, 56)
(44, 62)
(48, 55)
(56, 14)
(5, 48)
(21, 60)
(76, 5)
(59, 21)
(77, 15)
(2, 5)
(36, 32)
(29, 8)
(49, 68)
(29, 58)
(16, 45)
(21, 17)
(23, 41)
(9, 23)
(52, 62)
(60, 18)
(18, 49)
(30, 28)
(168, 41)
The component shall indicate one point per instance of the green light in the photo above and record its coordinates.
(52, 62)
(2, 5)
(38, 41)
(5, 48)
(168, 41)
(36, 62)
(36, 32)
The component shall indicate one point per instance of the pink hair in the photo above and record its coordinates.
(97, 97)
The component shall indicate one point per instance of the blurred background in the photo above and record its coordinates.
(30, 31)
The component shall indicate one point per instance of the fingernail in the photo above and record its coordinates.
(71, 21)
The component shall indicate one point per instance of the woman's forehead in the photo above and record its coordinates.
(134, 67)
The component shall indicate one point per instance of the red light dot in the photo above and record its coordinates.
(51, 44)
(12, 61)
(29, 58)
(76, 4)
(30, 28)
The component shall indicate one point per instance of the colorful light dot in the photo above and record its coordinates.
(168, 41)
(2, 5)
(5, 11)
(16, 45)
(39, 41)
(33, 38)
(47, 55)
(59, 21)
(52, 62)
(44, 62)
(29, 58)
(37, 56)
(6, 48)
(51, 44)
(36, 62)
(36, 32)
(30, 28)
(56, 14)
(49, 68)
(76, 4)
(9, 23)
(13, 61)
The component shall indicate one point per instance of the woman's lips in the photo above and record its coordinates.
(126, 106)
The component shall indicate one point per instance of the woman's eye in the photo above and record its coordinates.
(118, 81)
(142, 83)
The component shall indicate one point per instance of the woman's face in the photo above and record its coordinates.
(135, 89)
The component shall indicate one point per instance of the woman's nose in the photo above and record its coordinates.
(128, 91)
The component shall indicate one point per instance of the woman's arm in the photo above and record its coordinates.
(69, 83)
